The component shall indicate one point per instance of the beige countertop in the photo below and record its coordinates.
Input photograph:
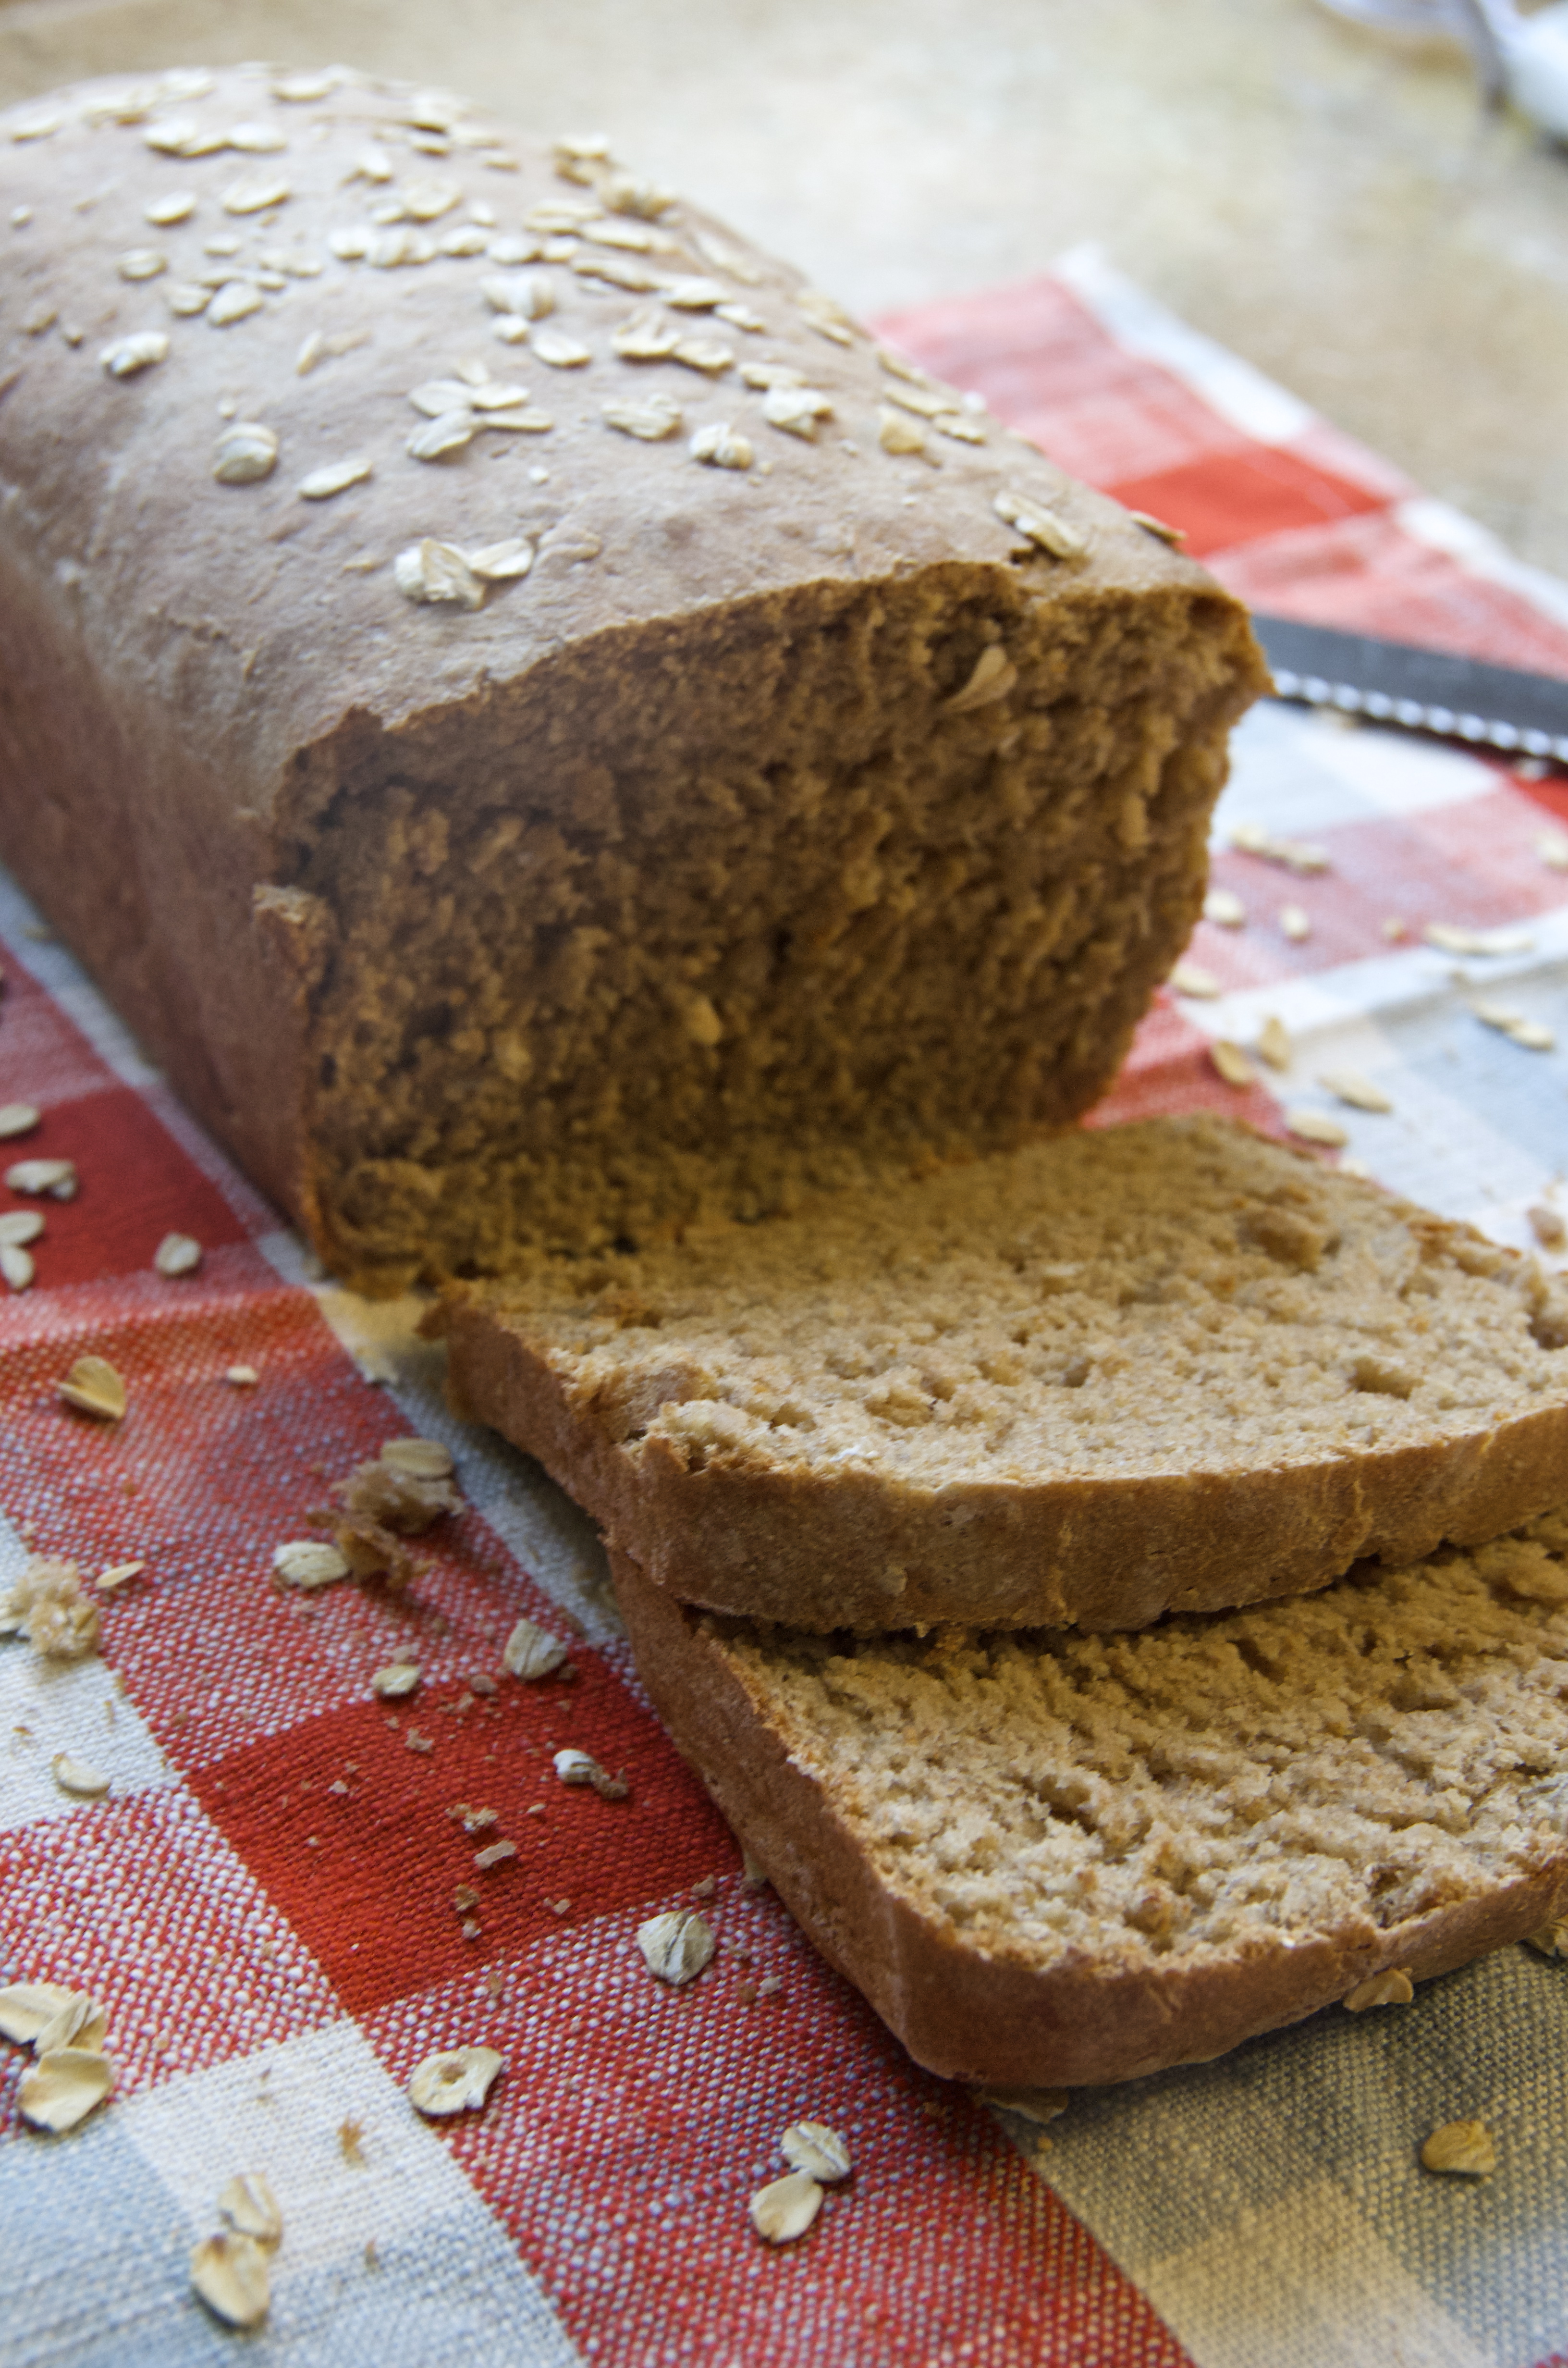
(1341, 213)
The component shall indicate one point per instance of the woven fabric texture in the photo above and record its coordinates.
(266, 1901)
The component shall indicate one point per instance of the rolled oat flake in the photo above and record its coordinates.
(309, 1563)
(819, 2151)
(230, 2273)
(93, 1386)
(454, 2080)
(1461, 2147)
(786, 2207)
(676, 1946)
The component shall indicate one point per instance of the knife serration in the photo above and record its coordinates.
(1424, 690)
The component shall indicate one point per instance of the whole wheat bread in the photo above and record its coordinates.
(1166, 1365)
(1050, 1859)
(635, 870)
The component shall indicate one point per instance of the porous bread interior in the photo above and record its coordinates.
(700, 916)
(1387, 1747)
(1178, 1296)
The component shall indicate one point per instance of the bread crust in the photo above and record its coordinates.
(973, 2016)
(863, 1554)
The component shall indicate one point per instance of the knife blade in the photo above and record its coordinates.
(1424, 690)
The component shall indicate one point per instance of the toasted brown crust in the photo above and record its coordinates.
(1113, 1553)
(972, 2016)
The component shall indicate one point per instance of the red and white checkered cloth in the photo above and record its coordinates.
(265, 1901)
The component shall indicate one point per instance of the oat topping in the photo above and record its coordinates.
(1039, 2106)
(126, 355)
(432, 571)
(62, 2088)
(1350, 1087)
(254, 194)
(994, 676)
(243, 1377)
(230, 2273)
(336, 477)
(1041, 525)
(1274, 1044)
(177, 1254)
(455, 2079)
(75, 1777)
(141, 263)
(242, 455)
(117, 1575)
(308, 1563)
(650, 417)
(1393, 1988)
(16, 1268)
(420, 1459)
(558, 351)
(646, 335)
(250, 2207)
(443, 437)
(675, 1946)
(827, 318)
(819, 2152)
(93, 1386)
(18, 1118)
(721, 447)
(1231, 1063)
(1465, 2147)
(796, 409)
(1175, 535)
(1316, 1126)
(1190, 978)
(1224, 907)
(578, 1767)
(30, 2009)
(1294, 854)
(900, 434)
(527, 295)
(21, 1225)
(786, 2207)
(531, 1651)
(234, 300)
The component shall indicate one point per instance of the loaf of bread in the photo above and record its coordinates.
(544, 728)
(1048, 1860)
(1165, 1365)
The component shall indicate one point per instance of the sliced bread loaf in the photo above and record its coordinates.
(536, 719)
(1167, 1365)
(1050, 1859)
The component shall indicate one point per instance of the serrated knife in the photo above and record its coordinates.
(1424, 690)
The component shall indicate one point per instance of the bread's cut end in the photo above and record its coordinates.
(1051, 1858)
(705, 914)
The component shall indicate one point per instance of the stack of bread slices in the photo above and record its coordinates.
(1113, 1589)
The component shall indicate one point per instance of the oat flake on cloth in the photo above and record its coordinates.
(265, 1901)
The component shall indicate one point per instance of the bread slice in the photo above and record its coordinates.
(634, 874)
(1167, 1365)
(1050, 1859)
